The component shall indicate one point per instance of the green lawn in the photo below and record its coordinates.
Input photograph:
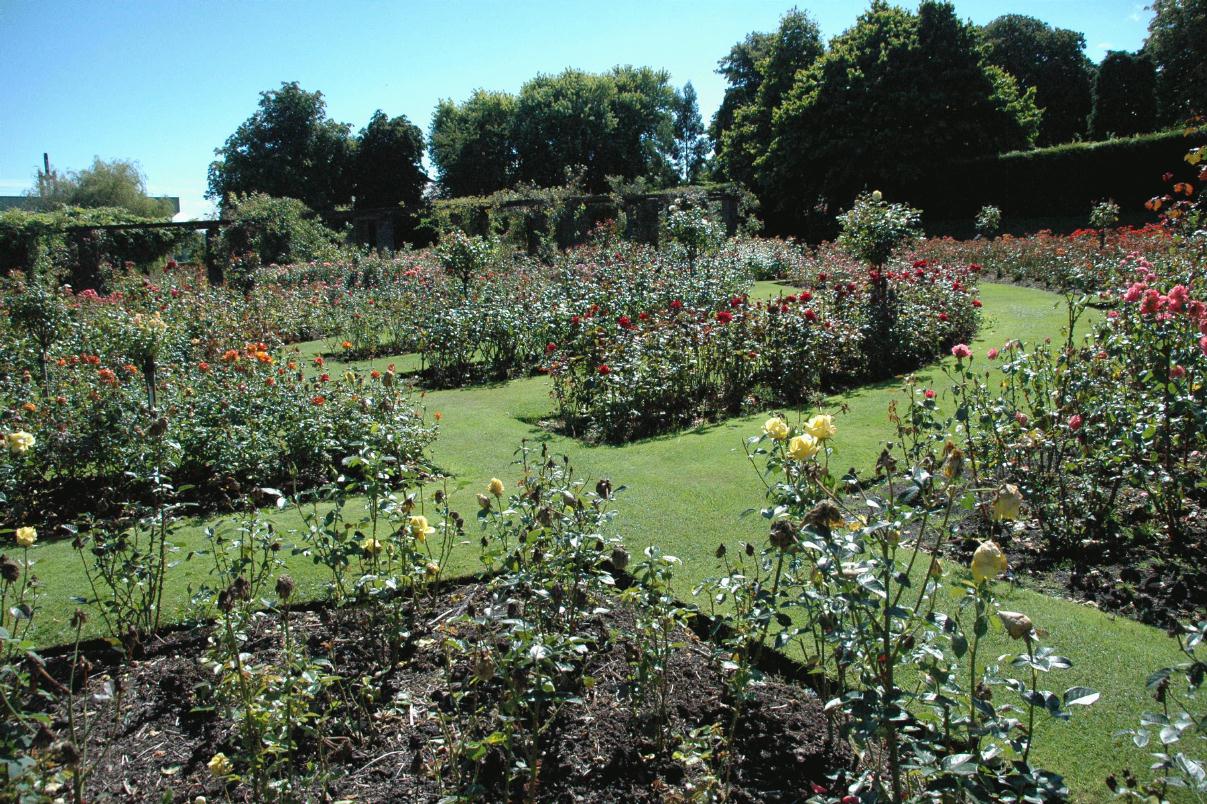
(685, 492)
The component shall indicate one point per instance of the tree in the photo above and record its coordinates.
(795, 46)
(1125, 99)
(118, 183)
(741, 73)
(620, 123)
(898, 96)
(643, 141)
(287, 148)
(1053, 61)
(691, 146)
(473, 144)
(388, 166)
(1177, 44)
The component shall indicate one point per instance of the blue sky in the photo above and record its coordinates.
(164, 82)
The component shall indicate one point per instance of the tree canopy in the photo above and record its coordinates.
(472, 144)
(691, 145)
(897, 95)
(288, 148)
(1125, 96)
(117, 184)
(388, 166)
(1053, 61)
(619, 123)
(1177, 44)
(794, 46)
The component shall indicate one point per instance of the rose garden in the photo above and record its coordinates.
(888, 517)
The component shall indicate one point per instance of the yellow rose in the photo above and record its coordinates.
(988, 562)
(877, 195)
(1018, 625)
(495, 487)
(803, 447)
(371, 546)
(20, 442)
(220, 766)
(1007, 503)
(821, 427)
(26, 537)
(432, 568)
(776, 427)
(420, 528)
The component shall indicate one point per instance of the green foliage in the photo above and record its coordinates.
(1125, 96)
(288, 148)
(1178, 47)
(1061, 181)
(873, 228)
(691, 146)
(1180, 726)
(387, 170)
(618, 123)
(466, 257)
(740, 68)
(877, 85)
(118, 183)
(74, 254)
(988, 221)
(1104, 214)
(472, 144)
(1053, 61)
(276, 230)
(795, 46)
(615, 124)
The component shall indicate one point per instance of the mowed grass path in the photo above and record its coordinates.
(685, 492)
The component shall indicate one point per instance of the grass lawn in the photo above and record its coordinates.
(686, 491)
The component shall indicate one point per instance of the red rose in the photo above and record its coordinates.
(604, 370)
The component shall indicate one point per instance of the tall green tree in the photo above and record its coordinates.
(472, 144)
(740, 70)
(642, 143)
(287, 148)
(1177, 44)
(388, 165)
(1125, 95)
(620, 123)
(898, 96)
(1053, 61)
(691, 145)
(795, 46)
(116, 183)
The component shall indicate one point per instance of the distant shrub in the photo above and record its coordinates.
(277, 230)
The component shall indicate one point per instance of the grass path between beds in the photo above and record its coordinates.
(685, 492)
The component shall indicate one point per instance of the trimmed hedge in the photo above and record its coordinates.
(1058, 182)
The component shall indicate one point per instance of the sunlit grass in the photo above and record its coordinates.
(685, 492)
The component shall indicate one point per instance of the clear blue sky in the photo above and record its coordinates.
(164, 82)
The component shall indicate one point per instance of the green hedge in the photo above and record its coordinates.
(78, 253)
(1058, 182)
(531, 219)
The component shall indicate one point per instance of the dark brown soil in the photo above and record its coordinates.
(1147, 580)
(596, 751)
